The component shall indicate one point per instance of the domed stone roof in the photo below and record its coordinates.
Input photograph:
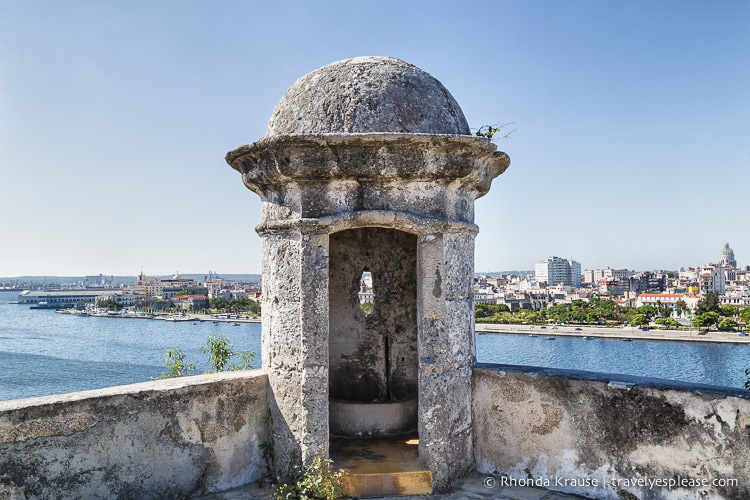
(727, 257)
(365, 95)
(727, 252)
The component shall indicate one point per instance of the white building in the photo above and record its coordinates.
(688, 274)
(712, 279)
(667, 299)
(63, 299)
(587, 276)
(554, 271)
(575, 273)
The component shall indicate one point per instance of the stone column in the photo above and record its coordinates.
(445, 263)
(295, 343)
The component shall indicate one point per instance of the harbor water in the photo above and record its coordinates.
(43, 352)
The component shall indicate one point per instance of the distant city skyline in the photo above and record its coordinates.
(532, 270)
(631, 145)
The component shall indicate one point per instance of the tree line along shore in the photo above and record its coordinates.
(615, 333)
(707, 315)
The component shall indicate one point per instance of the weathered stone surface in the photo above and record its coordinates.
(295, 344)
(368, 162)
(559, 425)
(446, 354)
(367, 94)
(317, 176)
(374, 357)
(162, 439)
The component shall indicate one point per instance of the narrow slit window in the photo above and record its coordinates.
(366, 293)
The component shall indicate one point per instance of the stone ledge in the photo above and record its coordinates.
(153, 386)
(618, 381)
(161, 439)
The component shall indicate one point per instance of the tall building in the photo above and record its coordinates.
(588, 276)
(651, 282)
(554, 271)
(712, 279)
(575, 273)
(608, 275)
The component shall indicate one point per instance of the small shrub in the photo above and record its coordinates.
(490, 132)
(175, 361)
(220, 353)
(245, 358)
(318, 481)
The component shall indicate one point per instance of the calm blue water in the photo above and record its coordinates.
(695, 362)
(42, 352)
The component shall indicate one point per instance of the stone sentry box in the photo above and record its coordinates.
(368, 164)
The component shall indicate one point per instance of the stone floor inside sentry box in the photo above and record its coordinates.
(381, 466)
(388, 468)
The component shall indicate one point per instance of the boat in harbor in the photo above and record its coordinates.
(180, 317)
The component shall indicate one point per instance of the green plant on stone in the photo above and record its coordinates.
(220, 353)
(175, 361)
(267, 446)
(245, 358)
(489, 131)
(317, 481)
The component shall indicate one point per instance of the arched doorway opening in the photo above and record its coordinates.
(373, 360)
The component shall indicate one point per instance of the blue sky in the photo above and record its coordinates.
(631, 150)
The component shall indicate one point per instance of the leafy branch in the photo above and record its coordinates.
(318, 481)
(220, 353)
(493, 132)
(175, 361)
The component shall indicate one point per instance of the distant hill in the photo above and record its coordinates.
(252, 278)
(67, 280)
(497, 273)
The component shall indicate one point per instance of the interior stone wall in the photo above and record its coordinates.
(163, 439)
(373, 357)
(611, 436)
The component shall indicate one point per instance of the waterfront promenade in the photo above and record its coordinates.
(624, 332)
(214, 318)
(627, 332)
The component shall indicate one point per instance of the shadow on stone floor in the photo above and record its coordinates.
(472, 488)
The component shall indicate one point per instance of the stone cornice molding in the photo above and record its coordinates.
(272, 163)
(368, 218)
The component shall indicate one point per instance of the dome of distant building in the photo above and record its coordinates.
(367, 95)
(727, 256)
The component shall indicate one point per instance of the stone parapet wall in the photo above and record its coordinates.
(611, 436)
(163, 439)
